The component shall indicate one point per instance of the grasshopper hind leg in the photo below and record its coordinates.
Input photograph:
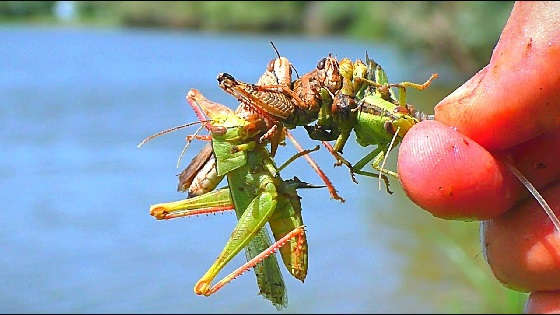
(203, 287)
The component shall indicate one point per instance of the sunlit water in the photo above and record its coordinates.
(76, 235)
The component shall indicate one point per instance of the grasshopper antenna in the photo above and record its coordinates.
(278, 54)
(275, 49)
(157, 134)
(187, 145)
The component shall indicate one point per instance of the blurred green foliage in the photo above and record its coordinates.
(443, 262)
(462, 34)
(20, 9)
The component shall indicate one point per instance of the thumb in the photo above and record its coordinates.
(452, 176)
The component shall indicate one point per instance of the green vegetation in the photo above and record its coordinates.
(458, 33)
(443, 262)
(16, 9)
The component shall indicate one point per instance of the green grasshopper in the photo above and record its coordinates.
(256, 191)
(367, 105)
(200, 176)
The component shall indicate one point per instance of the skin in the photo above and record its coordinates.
(454, 166)
(543, 303)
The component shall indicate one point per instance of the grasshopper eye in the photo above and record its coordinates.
(225, 78)
(321, 64)
(218, 130)
(270, 66)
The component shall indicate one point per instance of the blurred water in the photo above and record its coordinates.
(75, 231)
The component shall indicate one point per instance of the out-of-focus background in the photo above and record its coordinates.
(81, 83)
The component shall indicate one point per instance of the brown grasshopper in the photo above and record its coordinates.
(200, 176)
(333, 95)
(290, 104)
(299, 103)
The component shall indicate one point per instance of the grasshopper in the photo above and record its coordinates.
(257, 193)
(330, 95)
(367, 105)
(200, 176)
(292, 103)
(282, 108)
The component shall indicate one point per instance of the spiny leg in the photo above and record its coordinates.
(377, 160)
(340, 160)
(274, 136)
(212, 202)
(341, 140)
(316, 167)
(357, 168)
(217, 201)
(298, 232)
(417, 86)
(403, 85)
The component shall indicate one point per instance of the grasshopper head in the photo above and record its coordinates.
(226, 81)
(215, 111)
(329, 74)
(278, 71)
(346, 68)
(282, 69)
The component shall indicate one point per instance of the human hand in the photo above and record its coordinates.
(509, 112)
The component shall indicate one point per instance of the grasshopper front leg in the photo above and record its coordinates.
(211, 202)
(376, 156)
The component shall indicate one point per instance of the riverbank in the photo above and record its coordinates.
(461, 34)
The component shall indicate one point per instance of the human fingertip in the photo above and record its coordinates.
(543, 302)
(451, 176)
